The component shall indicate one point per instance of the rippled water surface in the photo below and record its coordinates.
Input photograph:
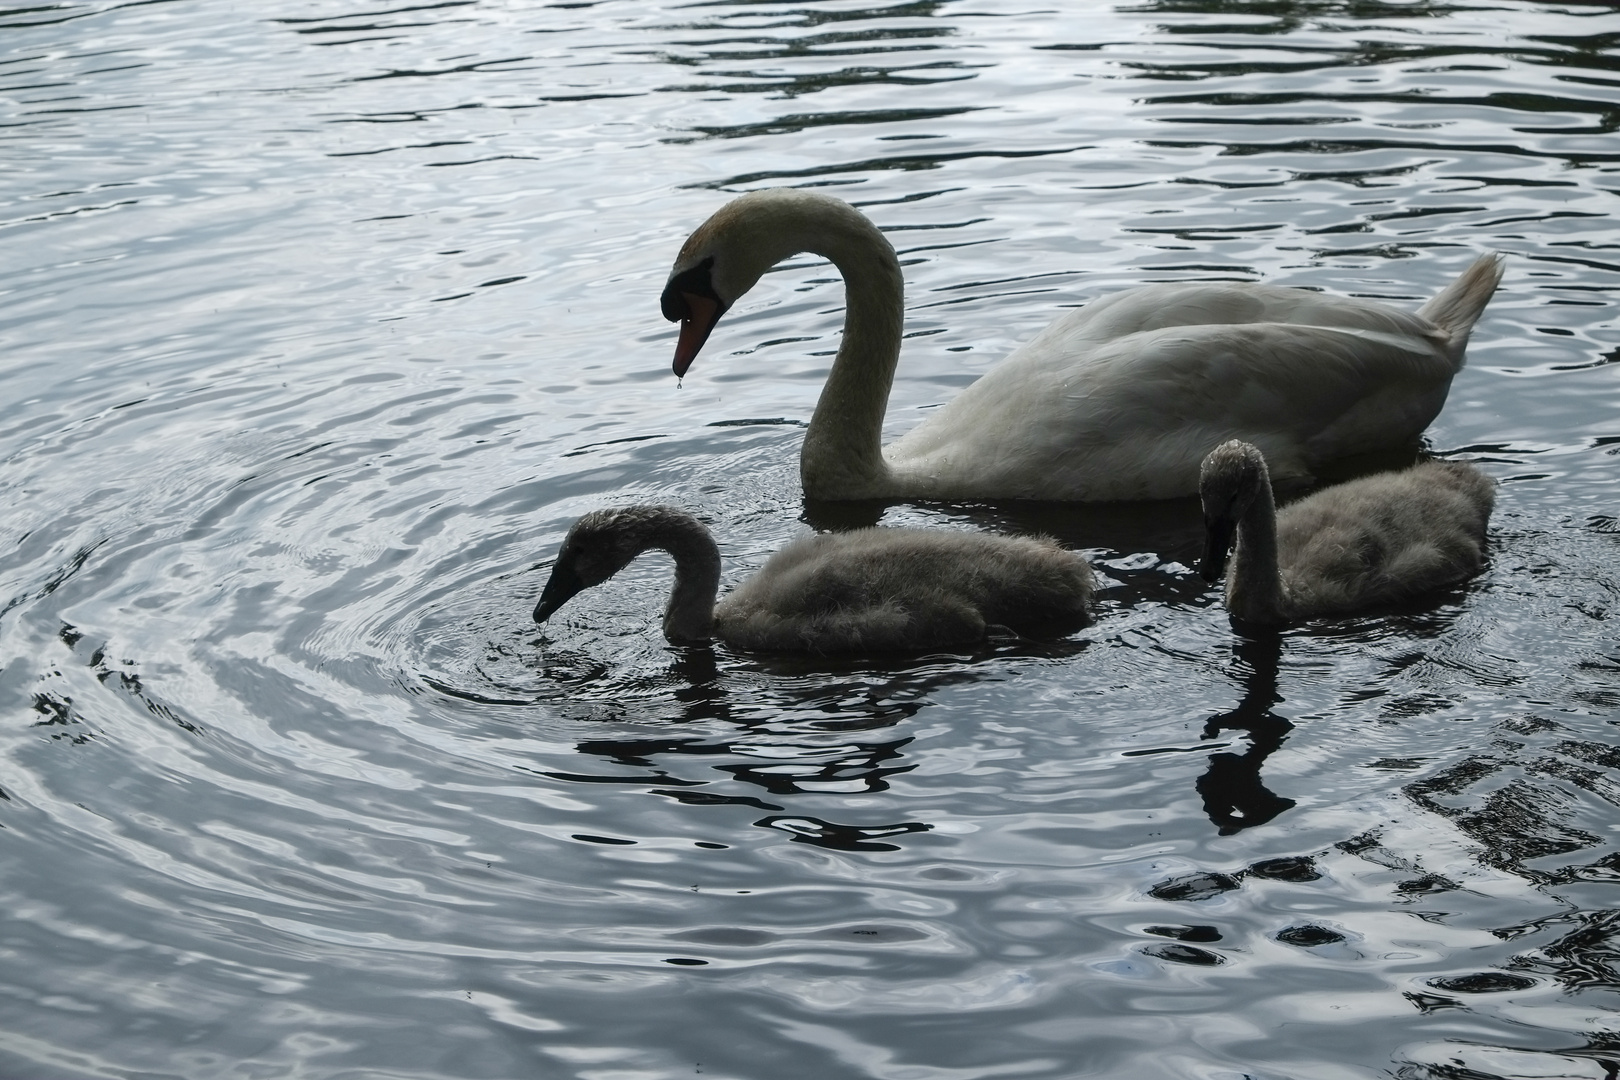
(322, 322)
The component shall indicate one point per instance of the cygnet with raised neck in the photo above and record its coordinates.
(874, 590)
(1116, 400)
(1359, 546)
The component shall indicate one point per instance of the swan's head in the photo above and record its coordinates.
(600, 544)
(1231, 476)
(730, 252)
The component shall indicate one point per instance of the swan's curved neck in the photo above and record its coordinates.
(1254, 586)
(690, 614)
(843, 449)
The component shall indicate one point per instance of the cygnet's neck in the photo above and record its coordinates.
(1254, 586)
(690, 614)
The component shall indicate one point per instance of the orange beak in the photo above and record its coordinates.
(702, 314)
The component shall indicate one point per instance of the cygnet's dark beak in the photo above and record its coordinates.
(1217, 542)
(690, 299)
(561, 587)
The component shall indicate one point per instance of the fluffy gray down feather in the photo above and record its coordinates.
(1384, 538)
(889, 589)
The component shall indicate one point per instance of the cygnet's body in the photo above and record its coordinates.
(869, 591)
(1366, 544)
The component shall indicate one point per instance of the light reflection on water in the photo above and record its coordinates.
(319, 330)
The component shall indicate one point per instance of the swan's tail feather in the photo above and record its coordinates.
(1459, 304)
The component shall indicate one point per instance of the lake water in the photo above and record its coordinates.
(321, 323)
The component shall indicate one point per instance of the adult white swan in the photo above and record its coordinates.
(1119, 399)
(867, 591)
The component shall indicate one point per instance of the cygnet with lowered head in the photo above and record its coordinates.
(876, 590)
(1362, 545)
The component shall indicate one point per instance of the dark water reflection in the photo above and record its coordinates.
(1234, 798)
(321, 325)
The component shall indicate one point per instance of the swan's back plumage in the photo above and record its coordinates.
(1135, 419)
(1385, 538)
(887, 589)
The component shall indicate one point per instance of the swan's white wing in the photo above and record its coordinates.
(1131, 417)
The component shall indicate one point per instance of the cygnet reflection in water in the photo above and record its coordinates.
(877, 590)
(1366, 544)
(1234, 796)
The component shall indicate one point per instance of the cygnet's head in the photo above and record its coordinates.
(1231, 476)
(600, 544)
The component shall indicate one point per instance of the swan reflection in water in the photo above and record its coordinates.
(812, 734)
(803, 730)
(1234, 798)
